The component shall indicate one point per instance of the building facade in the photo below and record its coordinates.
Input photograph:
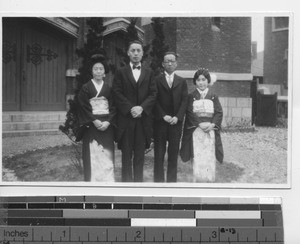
(40, 64)
(276, 54)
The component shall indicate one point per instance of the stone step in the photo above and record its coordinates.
(30, 133)
(31, 125)
(33, 116)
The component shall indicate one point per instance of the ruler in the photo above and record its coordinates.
(131, 219)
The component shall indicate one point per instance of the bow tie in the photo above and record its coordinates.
(136, 67)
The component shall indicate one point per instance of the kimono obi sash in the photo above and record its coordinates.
(203, 108)
(99, 105)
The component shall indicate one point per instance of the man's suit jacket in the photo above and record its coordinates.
(129, 93)
(179, 97)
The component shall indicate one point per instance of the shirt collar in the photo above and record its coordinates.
(171, 75)
(204, 92)
(96, 84)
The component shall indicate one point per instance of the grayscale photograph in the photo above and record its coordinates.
(116, 100)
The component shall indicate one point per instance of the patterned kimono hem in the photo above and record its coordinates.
(102, 167)
(204, 161)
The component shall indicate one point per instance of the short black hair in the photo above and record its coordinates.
(99, 58)
(134, 42)
(201, 71)
(169, 52)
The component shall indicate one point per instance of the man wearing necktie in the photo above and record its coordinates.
(135, 95)
(169, 113)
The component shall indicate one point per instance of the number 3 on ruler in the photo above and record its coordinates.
(214, 234)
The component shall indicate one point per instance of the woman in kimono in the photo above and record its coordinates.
(96, 112)
(201, 141)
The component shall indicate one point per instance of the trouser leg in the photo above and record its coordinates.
(86, 158)
(160, 132)
(174, 134)
(139, 151)
(127, 148)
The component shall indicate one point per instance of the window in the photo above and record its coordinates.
(280, 23)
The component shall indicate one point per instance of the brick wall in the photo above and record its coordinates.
(226, 88)
(227, 50)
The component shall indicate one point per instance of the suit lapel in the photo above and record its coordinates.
(142, 76)
(130, 75)
(164, 82)
(176, 81)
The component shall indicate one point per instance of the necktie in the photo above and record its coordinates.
(169, 80)
(136, 67)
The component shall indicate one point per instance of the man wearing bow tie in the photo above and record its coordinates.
(135, 95)
(169, 113)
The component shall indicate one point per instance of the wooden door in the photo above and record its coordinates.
(266, 109)
(11, 48)
(44, 67)
(34, 66)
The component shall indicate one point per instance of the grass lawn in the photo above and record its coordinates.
(62, 163)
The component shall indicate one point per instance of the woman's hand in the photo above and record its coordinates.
(97, 123)
(209, 128)
(104, 126)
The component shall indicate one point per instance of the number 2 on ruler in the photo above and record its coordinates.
(138, 234)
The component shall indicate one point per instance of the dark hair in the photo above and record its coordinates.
(201, 71)
(99, 58)
(134, 42)
(173, 53)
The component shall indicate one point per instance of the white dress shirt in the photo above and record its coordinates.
(136, 72)
(169, 78)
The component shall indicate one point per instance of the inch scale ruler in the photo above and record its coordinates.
(150, 220)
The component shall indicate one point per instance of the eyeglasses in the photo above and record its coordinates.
(170, 62)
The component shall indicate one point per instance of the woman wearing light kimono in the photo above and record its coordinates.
(96, 112)
(201, 141)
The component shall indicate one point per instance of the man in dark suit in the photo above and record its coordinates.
(169, 113)
(135, 95)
